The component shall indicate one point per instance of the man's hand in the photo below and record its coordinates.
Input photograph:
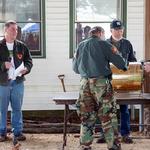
(147, 67)
(114, 49)
(8, 64)
(24, 71)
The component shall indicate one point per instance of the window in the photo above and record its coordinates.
(85, 14)
(29, 16)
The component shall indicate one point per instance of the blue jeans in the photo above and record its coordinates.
(12, 93)
(124, 120)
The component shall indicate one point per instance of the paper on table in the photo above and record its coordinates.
(13, 73)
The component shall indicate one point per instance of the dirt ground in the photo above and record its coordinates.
(54, 142)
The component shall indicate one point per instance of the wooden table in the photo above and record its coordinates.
(69, 98)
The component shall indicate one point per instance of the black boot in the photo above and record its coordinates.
(116, 147)
(86, 148)
(101, 140)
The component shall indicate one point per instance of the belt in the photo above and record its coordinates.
(93, 80)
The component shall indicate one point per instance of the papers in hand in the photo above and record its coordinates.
(13, 73)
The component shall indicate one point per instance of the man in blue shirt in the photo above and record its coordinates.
(125, 48)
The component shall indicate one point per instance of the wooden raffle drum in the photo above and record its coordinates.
(130, 80)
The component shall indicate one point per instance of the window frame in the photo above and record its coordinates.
(121, 7)
(42, 41)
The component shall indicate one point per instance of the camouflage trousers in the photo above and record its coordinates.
(96, 100)
(147, 120)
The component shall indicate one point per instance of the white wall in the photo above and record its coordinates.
(42, 83)
(135, 26)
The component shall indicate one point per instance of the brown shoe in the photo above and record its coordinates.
(20, 137)
(127, 139)
(3, 138)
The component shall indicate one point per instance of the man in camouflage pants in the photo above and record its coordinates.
(96, 98)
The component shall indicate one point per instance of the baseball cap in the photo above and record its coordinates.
(9, 22)
(116, 24)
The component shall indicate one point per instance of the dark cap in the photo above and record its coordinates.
(116, 24)
(96, 29)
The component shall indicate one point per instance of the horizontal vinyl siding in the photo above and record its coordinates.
(42, 83)
(135, 26)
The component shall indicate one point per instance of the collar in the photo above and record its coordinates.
(3, 42)
(112, 40)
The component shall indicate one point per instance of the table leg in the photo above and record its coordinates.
(65, 126)
(141, 120)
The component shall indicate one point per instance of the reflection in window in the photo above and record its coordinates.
(20, 10)
(86, 31)
(79, 32)
(89, 13)
(92, 13)
(82, 30)
(30, 35)
(28, 15)
(96, 10)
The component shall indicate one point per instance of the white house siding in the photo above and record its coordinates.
(135, 26)
(43, 82)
